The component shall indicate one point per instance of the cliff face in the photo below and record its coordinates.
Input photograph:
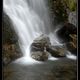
(10, 47)
(8, 33)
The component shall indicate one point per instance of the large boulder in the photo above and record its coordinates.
(8, 33)
(57, 51)
(40, 43)
(38, 48)
(41, 48)
(10, 47)
(68, 35)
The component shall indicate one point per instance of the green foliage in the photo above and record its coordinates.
(71, 4)
(61, 7)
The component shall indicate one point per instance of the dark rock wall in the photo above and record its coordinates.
(10, 47)
(8, 33)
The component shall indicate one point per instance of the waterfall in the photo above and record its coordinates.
(28, 24)
(30, 19)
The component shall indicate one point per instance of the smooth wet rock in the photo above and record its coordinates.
(40, 42)
(56, 51)
(38, 48)
(40, 55)
(8, 32)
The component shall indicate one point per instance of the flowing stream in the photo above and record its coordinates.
(30, 19)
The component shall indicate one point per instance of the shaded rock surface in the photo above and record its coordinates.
(57, 51)
(41, 48)
(65, 31)
(10, 47)
(10, 52)
(41, 42)
(68, 35)
(8, 33)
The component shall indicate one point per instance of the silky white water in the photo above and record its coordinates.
(30, 19)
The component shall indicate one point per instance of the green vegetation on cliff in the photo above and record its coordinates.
(61, 8)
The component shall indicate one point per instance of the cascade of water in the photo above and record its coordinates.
(27, 23)
(30, 19)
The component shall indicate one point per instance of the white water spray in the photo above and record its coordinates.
(71, 56)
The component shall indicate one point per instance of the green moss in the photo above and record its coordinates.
(71, 4)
